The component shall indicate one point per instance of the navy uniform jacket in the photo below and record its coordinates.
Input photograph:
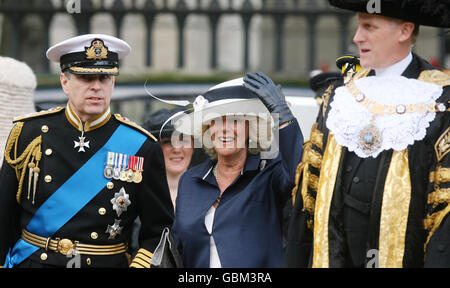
(247, 222)
(60, 160)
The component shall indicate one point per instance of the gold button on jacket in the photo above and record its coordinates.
(48, 178)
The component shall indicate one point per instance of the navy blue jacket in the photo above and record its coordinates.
(247, 222)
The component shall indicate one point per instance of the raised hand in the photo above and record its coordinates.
(270, 94)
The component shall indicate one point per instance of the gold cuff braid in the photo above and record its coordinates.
(439, 196)
(298, 174)
(441, 175)
(303, 179)
(312, 157)
(433, 221)
(316, 136)
(142, 259)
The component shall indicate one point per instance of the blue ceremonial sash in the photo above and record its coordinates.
(75, 193)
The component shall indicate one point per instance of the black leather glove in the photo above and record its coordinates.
(270, 94)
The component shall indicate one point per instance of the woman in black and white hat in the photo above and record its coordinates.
(179, 152)
(229, 207)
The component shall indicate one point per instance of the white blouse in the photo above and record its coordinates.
(214, 260)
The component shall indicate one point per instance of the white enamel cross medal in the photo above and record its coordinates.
(82, 143)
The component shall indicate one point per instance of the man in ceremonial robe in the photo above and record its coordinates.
(372, 189)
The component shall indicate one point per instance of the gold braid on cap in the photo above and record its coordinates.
(28, 159)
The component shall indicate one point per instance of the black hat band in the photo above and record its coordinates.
(79, 59)
(230, 92)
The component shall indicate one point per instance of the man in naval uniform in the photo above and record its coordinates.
(373, 186)
(74, 178)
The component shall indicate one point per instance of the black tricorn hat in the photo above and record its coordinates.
(423, 12)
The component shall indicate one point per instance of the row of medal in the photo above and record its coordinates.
(124, 167)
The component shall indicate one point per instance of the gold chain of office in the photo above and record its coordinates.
(380, 109)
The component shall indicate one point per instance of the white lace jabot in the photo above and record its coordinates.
(347, 117)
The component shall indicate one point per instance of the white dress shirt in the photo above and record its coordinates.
(395, 70)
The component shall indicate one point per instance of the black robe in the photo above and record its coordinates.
(356, 203)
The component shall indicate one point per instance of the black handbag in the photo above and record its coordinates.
(166, 253)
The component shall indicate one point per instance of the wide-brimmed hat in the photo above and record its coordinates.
(158, 122)
(89, 54)
(229, 98)
(423, 12)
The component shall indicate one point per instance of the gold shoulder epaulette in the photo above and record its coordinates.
(130, 123)
(37, 114)
(436, 77)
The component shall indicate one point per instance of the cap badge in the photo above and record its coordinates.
(97, 50)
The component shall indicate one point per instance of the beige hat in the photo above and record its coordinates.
(17, 85)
